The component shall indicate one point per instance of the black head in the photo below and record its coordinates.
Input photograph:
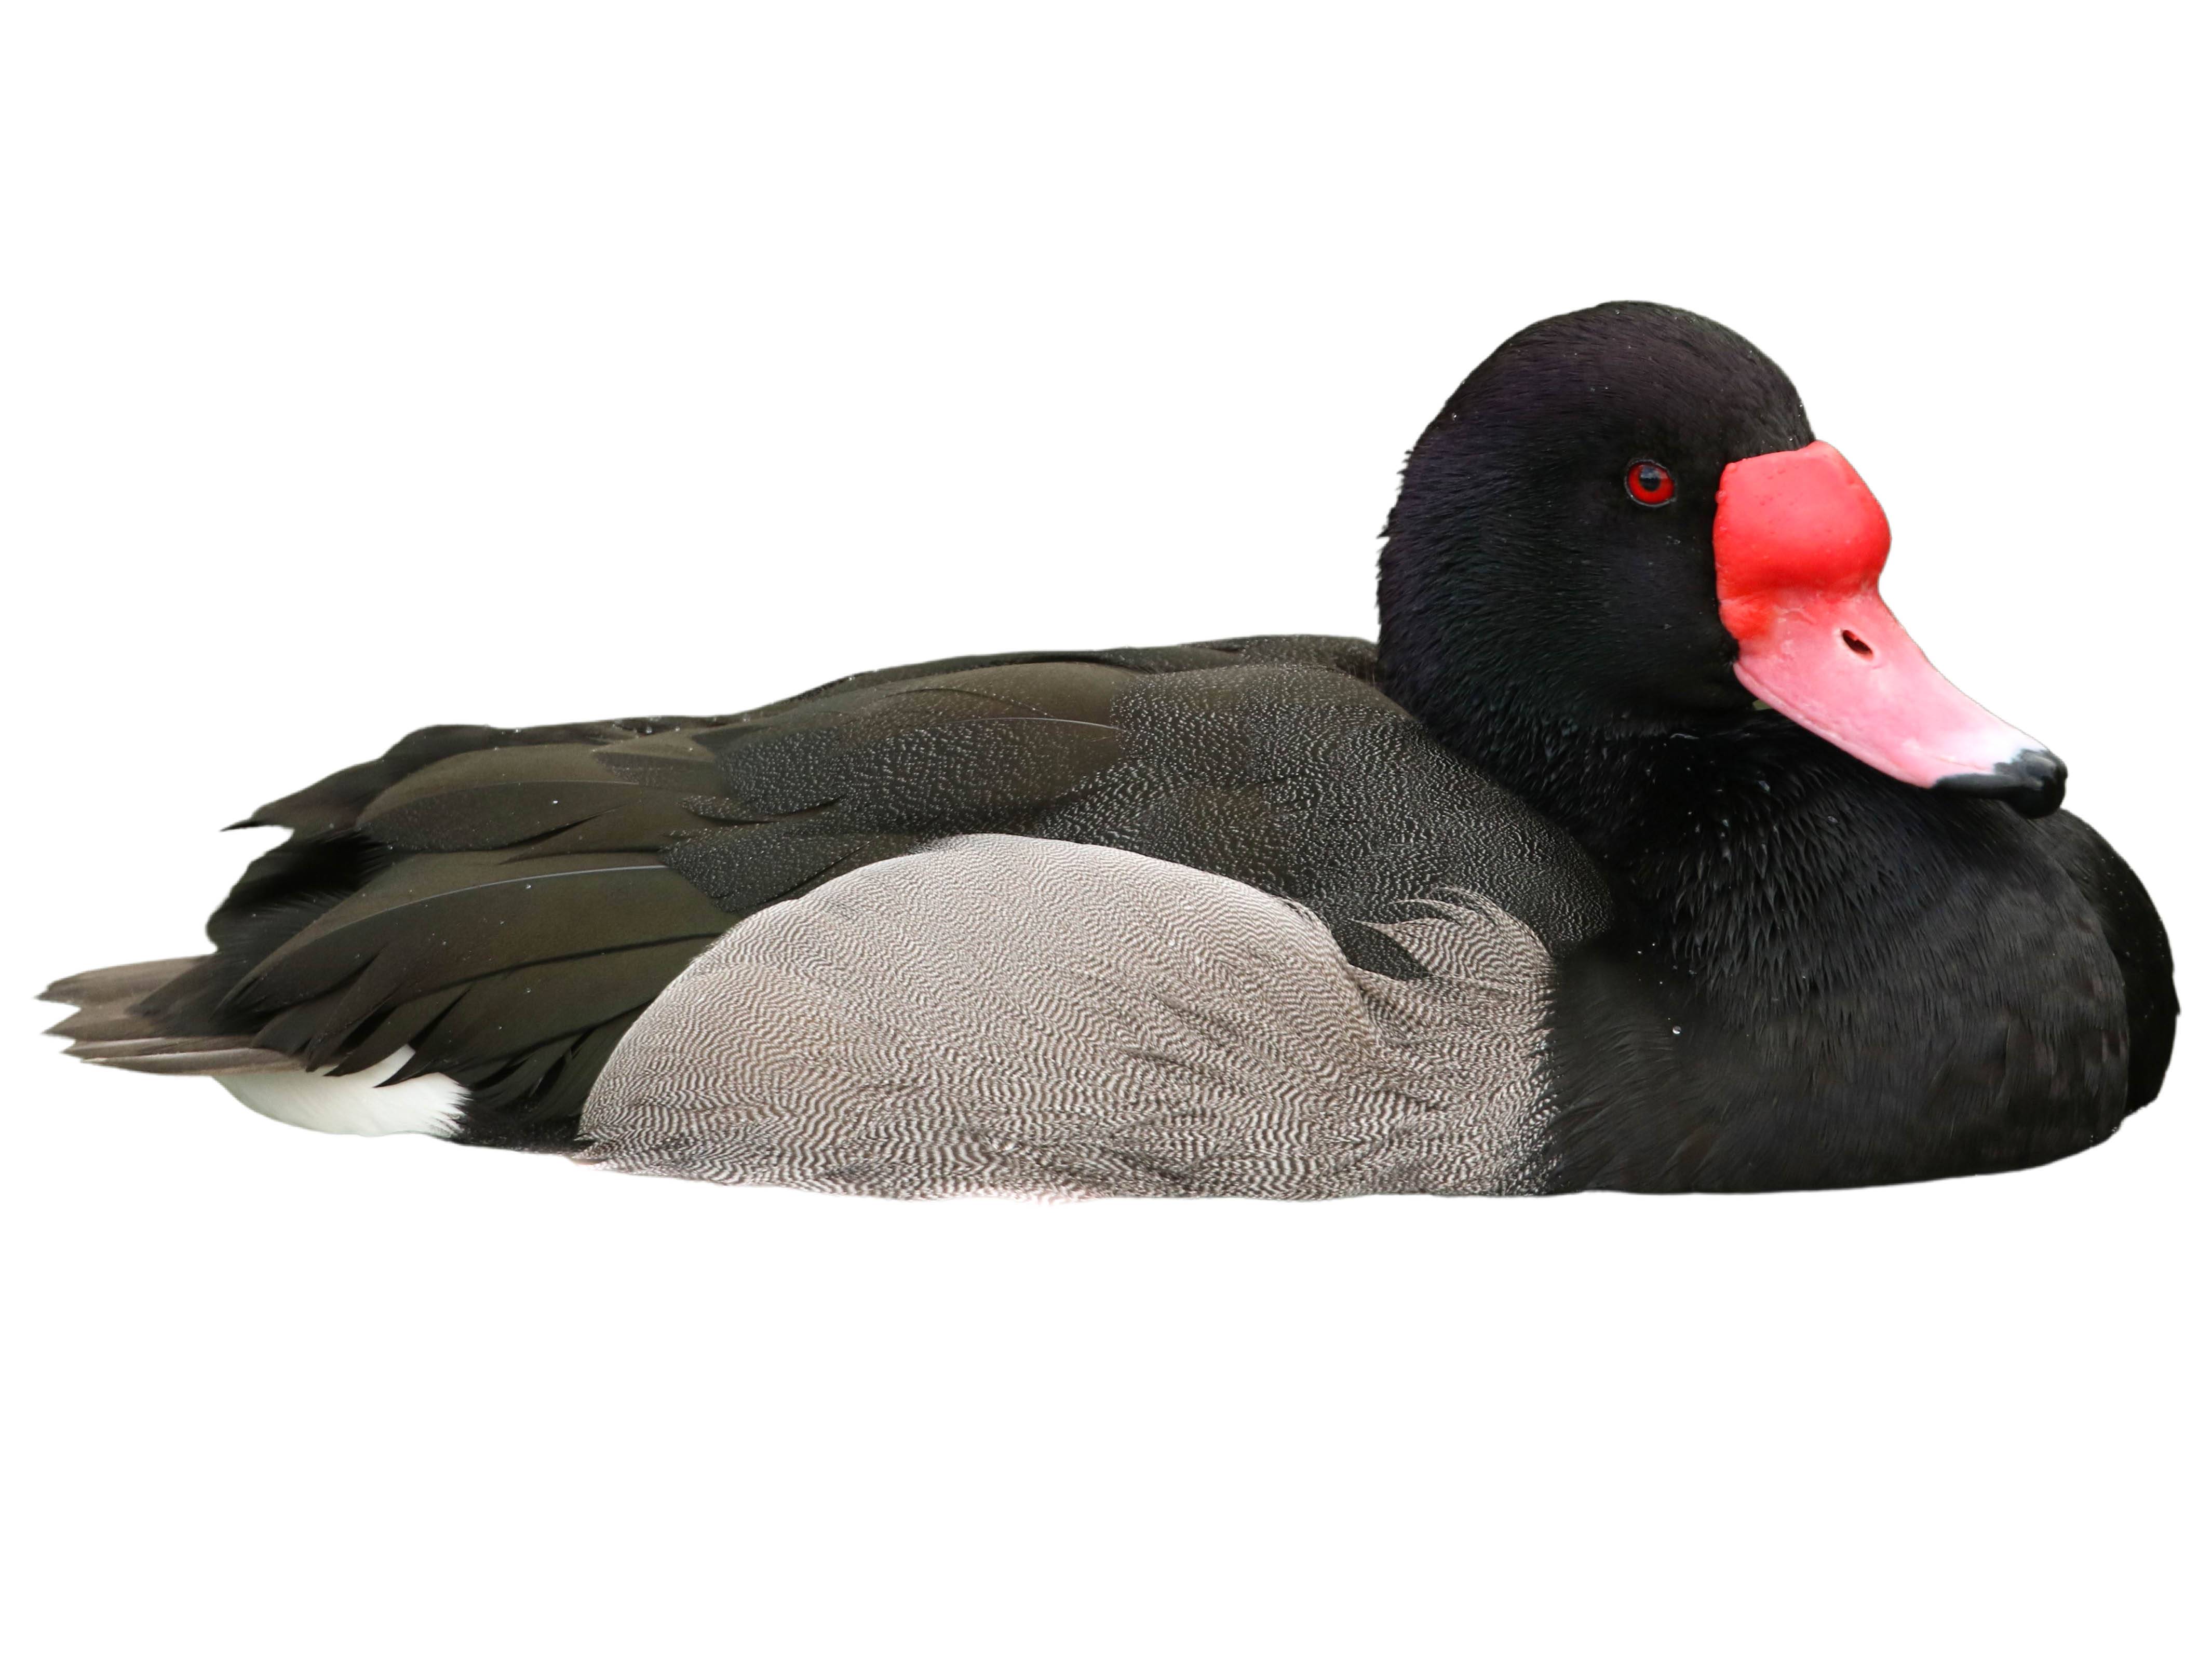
(1619, 531)
(1535, 559)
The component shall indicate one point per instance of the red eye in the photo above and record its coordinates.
(1650, 482)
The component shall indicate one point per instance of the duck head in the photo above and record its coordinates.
(1621, 528)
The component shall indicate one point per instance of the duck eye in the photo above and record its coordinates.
(1650, 482)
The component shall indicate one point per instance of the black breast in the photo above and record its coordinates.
(1871, 984)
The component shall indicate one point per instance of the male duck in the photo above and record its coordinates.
(1644, 851)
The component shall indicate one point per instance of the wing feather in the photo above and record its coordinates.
(504, 902)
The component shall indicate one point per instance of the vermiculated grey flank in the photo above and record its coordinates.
(1001, 1014)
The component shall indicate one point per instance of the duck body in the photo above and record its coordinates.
(1536, 898)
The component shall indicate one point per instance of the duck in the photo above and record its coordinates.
(1642, 850)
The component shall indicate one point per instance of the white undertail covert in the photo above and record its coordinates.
(359, 1105)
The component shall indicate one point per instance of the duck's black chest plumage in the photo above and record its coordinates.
(1841, 984)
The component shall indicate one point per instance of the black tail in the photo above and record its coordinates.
(106, 1030)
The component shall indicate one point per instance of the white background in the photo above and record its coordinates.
(367, 367)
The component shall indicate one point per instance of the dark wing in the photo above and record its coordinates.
(504, 902)
(494, 899)
(2137, 939)
(1273, 762)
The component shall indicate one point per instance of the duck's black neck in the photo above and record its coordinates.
(1817, 976)
(1753, 859)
